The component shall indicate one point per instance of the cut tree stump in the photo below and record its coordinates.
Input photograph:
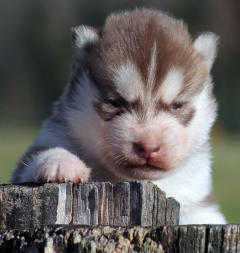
(163, 239)
(139, 203)
(101, 217)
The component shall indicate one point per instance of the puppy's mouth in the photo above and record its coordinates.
(145, 167)
(144, 171)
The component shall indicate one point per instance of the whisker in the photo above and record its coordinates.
(22, 162)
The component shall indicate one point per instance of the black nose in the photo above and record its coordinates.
(146, 150)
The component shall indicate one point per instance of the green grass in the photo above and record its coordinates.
(226, 174)
(13, 143)
(226, 168)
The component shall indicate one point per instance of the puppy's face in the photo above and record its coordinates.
(144, 94)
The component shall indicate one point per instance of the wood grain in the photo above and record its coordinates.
(139, 203)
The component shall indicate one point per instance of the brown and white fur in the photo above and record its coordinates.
(139, 105)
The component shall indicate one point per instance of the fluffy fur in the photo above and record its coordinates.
(139, 105)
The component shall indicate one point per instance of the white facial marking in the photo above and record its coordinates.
(128, 81)
(152, 67)
(171, 86)
(84, 35)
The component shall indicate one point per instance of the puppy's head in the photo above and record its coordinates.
(140, 98)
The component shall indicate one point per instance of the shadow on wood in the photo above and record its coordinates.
(167, 239)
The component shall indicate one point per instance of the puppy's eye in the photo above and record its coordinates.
(116, 102)
(176, 106)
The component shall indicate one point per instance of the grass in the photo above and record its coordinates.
(226, 175)
(13, 142)
(226, 168)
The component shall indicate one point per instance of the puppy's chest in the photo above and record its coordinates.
(188, 189)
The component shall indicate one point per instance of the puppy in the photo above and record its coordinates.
(139, 105)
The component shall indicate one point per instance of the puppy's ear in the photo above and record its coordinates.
(206, 44)
(83, 35)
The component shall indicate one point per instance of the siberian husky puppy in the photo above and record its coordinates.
(139, 105)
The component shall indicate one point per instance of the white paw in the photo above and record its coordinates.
(59, 165)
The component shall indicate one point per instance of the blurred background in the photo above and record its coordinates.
(36, 56)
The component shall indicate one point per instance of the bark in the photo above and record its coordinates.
(167, 239)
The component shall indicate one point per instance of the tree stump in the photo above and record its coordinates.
(163, 239)
(101, 217)
(139, 203)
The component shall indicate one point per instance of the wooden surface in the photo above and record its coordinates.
(139, 203)
(167, 239)
(126, 217)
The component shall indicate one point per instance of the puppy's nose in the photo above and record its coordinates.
(146, 150)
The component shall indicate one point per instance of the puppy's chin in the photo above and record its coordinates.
(139, 172)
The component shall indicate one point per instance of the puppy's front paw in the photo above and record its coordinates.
(59, 165)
